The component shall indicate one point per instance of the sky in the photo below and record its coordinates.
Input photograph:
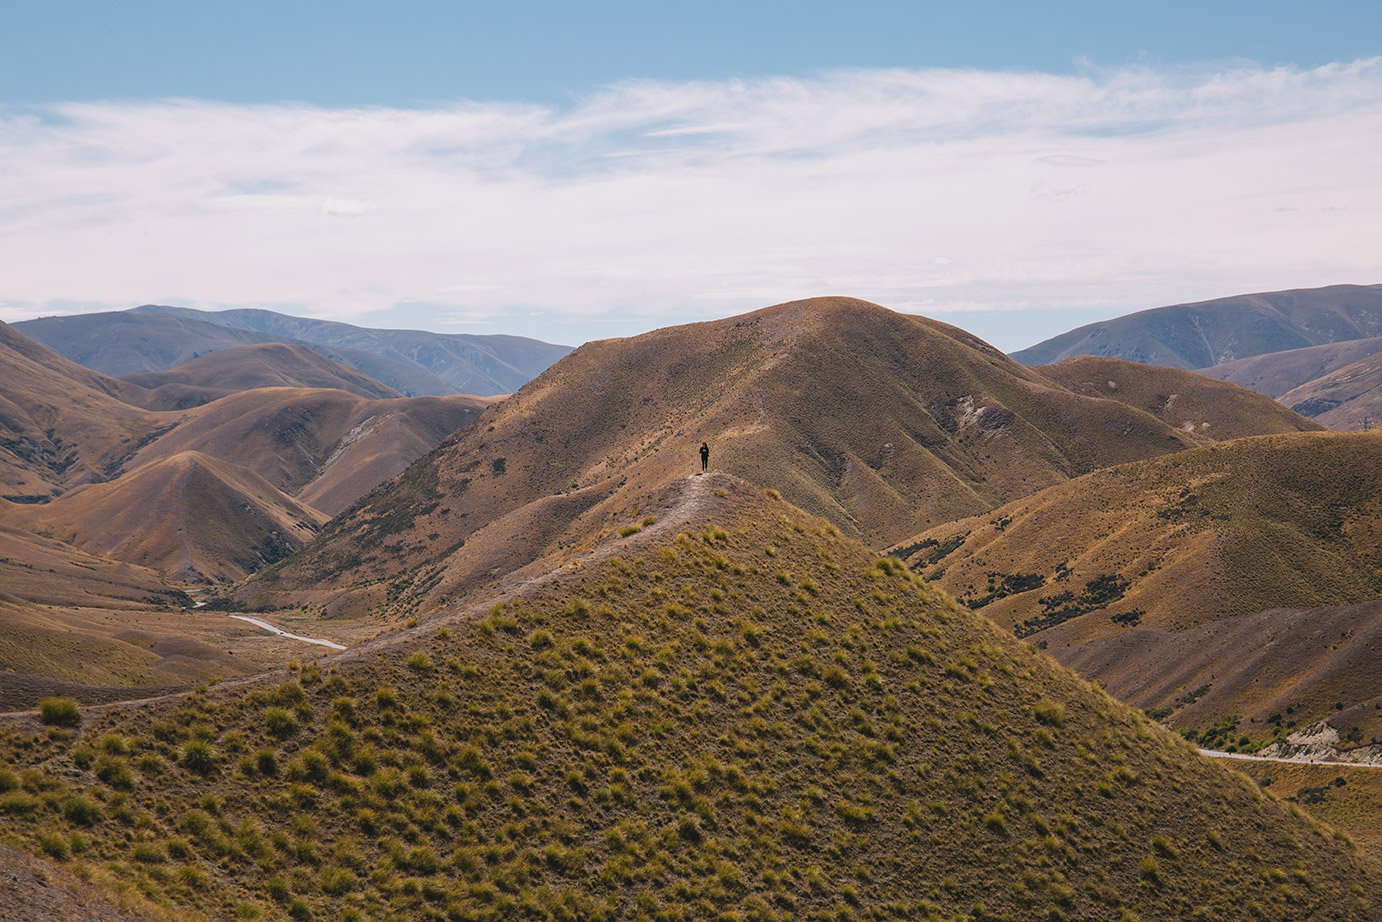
(576, 171)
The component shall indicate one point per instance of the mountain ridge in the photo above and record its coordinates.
(1203, 334)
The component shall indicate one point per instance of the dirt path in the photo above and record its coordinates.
(1297, 760)
(282, 633)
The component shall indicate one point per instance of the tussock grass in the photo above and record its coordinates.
(681, 736)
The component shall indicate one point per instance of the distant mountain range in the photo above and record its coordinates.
(1313, 349)
(412, 362)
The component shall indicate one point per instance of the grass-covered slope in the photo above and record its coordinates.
(724, 710)
(1185, 400)
(1180, 543)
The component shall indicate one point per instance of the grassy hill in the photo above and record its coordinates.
(1347, 399)
(82, 460)
(880, 422)
(1178, 543)
(1208, 333)
(211, 520)
(60, 424)
(325, 446)
(722, 710)
(1181, 399)
(242, 368)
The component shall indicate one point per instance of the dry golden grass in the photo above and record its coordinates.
(733, 712)
(1181, 543)
(1349, 799)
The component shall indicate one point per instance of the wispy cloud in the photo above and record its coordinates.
(1126, 187)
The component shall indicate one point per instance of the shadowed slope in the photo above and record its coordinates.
(732, 710)
(1175, 543)
(1181, 399)
(881, 422)
(243, 368)
(1348, 398)
(1214, 332)
(1276, 373)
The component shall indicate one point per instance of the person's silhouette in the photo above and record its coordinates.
(705, 456)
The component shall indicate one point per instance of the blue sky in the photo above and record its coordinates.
(406, 52)
(581, 170)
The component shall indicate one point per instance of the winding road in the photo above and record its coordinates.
(1297, 760)
(282, 633)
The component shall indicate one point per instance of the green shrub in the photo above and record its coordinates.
(59, 712)
(81, 810)
(281, 723)
(198, 757)
(54, 846)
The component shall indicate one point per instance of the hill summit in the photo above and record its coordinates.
(881, 422)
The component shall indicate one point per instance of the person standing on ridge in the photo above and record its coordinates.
(705, 457)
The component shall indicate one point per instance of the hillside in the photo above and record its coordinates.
(1113, 569)
(213, 520)
(63, 426)
(327, 447)
(241, 368)
(1347, 399)
(120, 343)
(1208, 333)
(60, 424)
(1181, 399)
(728, 711)
(412, 362)
(1276, 373)
(882, 423)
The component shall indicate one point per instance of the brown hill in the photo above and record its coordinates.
(1274, 670)
(1177, 543)
(1210, 333)
(191, 516)
(327, 447)
(242, 368)
(1347, 399)
(1181, 399)
(60, 424)
(48, 572)
(730, 711)
(1276, 373)
(881, 422)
